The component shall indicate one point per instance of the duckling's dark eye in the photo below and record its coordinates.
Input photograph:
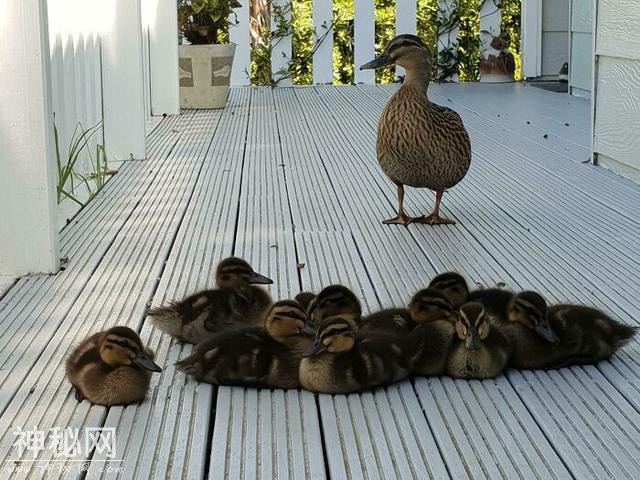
(225, 277)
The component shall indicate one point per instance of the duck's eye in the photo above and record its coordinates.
(225, 277)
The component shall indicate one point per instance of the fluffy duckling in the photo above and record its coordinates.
(434, 316)
(498, 304)
(453, 285)
(235, 303)
(334, 300)
(304, 299)
(390, 320)
(420, 143)
(341, 360)
(111, 368)
(480, 351)
(254, 356)
(578, 334)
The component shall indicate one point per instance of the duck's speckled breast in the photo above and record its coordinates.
(422, 144)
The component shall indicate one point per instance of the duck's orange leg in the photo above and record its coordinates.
(402, 218)
(434, 218)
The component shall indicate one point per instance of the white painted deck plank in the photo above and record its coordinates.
(388, 438)
(305, 187)
(177, 420)
(594, 400)
(30, 313)
(556, 211)
(408, 271)
(285, 441)
(117, 293)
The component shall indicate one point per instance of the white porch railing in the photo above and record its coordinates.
(90, 62)
(364, 36)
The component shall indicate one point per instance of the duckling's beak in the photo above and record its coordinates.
(545, 331)
(260, 279)
(309, 329)
(143, 360)
(472, 341)
(381, 61)
(314, 349)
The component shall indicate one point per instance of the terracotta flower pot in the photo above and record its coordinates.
(205, 72)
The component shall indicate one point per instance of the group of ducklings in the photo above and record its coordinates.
(323, 343)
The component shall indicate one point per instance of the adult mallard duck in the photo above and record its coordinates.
(420, 144)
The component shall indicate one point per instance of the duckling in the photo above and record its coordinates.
(498, 303)
(434, 316)
(334, 300)
(254, 356)
(391, 320)
(111, 368)
(234, 304)
(420, 143)
(304, 299)
(480, 351)
(453, 285)
(342, 360)
(560, 335)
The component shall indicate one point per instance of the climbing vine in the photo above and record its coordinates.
(459, 21)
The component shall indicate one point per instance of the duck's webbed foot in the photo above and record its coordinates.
(433, 219)
(400, 219)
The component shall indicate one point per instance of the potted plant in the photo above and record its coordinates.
(205, 63)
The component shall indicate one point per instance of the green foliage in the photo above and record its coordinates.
(468, 40)
(69, 178)
(385, 14)
(343, 41)
(204, 22)
(463, 58)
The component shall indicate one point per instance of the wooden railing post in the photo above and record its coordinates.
(239, 34)
(162, 18)
(323, 57)
(448, 34)
(122, 83)
(364, 39)
(28, 231)
(281, 46)
(406, 21)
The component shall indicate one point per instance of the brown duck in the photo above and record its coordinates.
(420, 143)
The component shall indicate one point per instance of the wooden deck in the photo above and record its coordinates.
(289, 176)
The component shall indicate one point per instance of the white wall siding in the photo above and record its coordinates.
(616, 143)
(28, 236)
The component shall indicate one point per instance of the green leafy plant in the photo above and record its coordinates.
(205, 22)
(69, 178)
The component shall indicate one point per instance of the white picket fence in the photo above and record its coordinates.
(364, 36)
